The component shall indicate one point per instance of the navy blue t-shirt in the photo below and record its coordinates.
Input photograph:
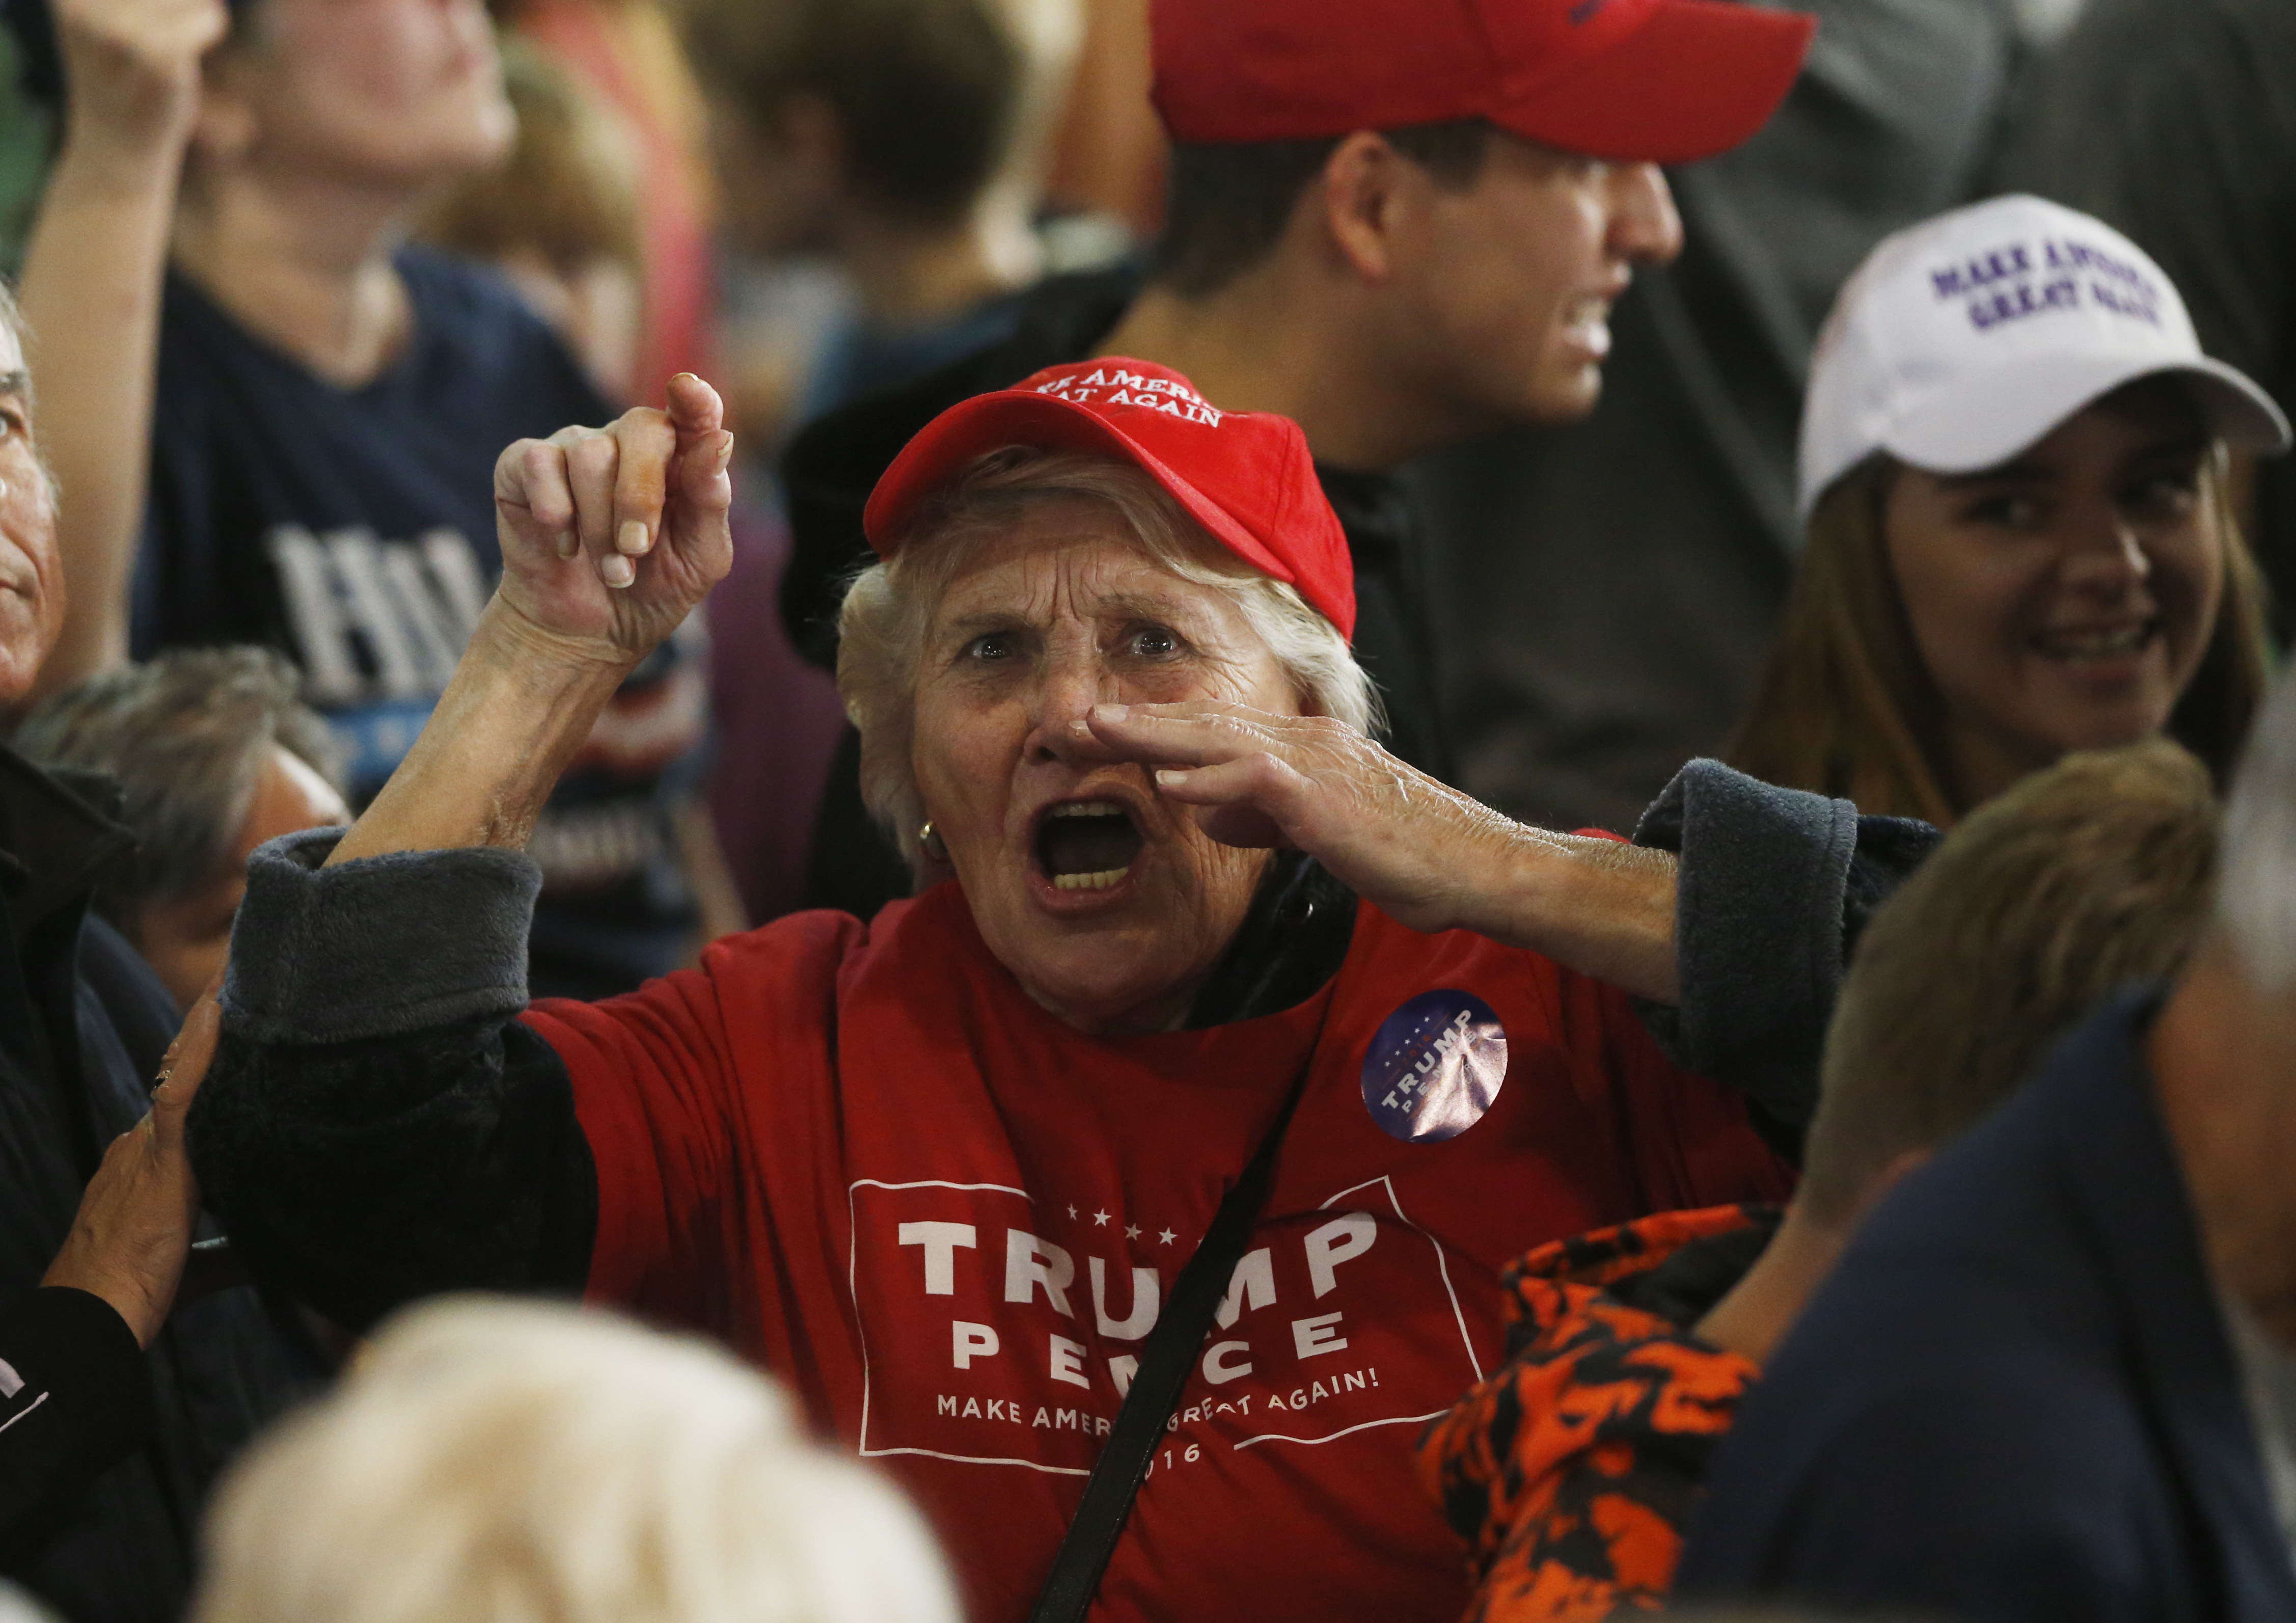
(354, 530)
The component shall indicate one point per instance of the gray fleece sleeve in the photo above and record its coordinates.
(378, 1125)
(1776, 886)
(378, 946)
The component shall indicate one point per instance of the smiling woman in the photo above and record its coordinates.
(2020, 541)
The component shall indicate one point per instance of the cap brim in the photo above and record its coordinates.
(1695, 79)
(1992, 416)
(952, 441)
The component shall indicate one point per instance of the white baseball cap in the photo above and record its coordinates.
(1967, 338)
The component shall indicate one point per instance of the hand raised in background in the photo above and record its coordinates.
(610, 537)
(132, 69)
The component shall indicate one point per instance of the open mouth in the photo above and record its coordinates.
(1087, 845)
(2076, 646)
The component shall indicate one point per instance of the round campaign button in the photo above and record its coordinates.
(1435, 1067)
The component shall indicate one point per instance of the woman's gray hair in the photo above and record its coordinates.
(2256, 897)
(186, 736)
(888, 607)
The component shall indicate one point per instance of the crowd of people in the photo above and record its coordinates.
(938, 978)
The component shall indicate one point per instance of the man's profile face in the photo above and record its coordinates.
(1503, 300)
(31, 574)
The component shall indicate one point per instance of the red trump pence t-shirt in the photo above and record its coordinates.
(862, 1157)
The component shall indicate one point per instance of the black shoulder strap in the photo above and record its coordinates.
(1165, 1361)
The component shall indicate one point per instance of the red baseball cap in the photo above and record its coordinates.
(1245, 476)
(1655, 81)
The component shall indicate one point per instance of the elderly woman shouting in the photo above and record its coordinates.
(1205, 974)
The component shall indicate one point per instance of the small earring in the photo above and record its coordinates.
(931, 842)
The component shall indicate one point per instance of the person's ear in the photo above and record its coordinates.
(1361, 194)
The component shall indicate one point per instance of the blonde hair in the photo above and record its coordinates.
(492, 1460)
(2078, 880)
(1847, 708)
(889, 608)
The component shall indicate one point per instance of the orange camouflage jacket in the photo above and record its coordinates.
(1572, 1469)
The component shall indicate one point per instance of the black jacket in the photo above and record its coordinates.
(106, 1452)
(835, 464)
(2015, 1400)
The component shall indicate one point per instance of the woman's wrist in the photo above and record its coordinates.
(1599, 907)
(1507, 884)
(125, 161)
(550, 658)
(521, 702)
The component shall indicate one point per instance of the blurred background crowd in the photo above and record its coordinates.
(286, 296)
(808, 203)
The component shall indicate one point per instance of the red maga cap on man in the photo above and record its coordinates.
(1649, 81)
(1246, 477)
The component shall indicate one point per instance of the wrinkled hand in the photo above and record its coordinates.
(1416, 848)
(132, 68)
(610, 537)
(134, 1230)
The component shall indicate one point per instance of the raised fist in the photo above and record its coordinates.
(610, 537)
(132, 67)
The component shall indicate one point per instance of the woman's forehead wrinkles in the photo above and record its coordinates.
(1073, 583)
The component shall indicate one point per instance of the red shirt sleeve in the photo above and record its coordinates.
(709, 1102)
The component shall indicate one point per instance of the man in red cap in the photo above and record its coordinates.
(1398, 223)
